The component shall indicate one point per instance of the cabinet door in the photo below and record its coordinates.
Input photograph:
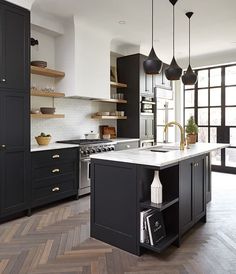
(15, 165)
(186, 188)
(1, 44)
(145, 79)
(199, 189)
(15, 42)
(161, 81)
(143, 127)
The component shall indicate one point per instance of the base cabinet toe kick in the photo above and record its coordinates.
(121, 191)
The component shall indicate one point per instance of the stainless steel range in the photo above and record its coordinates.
(86, 148)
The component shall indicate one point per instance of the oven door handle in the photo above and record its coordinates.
(88, 161)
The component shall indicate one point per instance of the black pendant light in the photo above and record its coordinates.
(152, 65)
(189, 78)
(174, 71)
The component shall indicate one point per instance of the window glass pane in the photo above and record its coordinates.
(203, 135)
(215, 77)
(203, 116)
(161, 117)
(230, 157)
(203, 78)
(189, 98)
(230, 96)
(213, 135)
(215, 97)
(233, 136)
(203, 97)
(215, 114)
(230, 116)
(230, 75)
(188, 114)
(216, 158)
(160, 134)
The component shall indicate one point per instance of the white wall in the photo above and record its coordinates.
(23, 3)
(77, 112)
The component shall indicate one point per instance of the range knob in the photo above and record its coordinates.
(112, 148)
(99, 150)
(104, 149)
(92, 151)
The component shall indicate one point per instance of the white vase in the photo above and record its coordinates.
(156, 189)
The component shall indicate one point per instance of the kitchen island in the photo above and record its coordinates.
(120, 190)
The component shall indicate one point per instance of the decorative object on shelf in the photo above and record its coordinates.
(113, 74)
(109, 131)
(34, 42)
(47, 110)
(189, 77)
(43, 139)
(156, 228)
(156, 189)
(35, 111)
(91, 135)
(152, 65)
(174, 71)
(40, 64)
(191, 130)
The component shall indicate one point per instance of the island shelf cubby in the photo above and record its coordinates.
(169, 208)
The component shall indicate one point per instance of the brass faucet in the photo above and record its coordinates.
(182, 138)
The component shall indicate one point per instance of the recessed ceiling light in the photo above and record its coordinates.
(122, 22)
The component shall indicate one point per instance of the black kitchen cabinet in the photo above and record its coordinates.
(146, 127)
(14, 109)
(192, 189)
(130, 71)
(14, 34)
(54, 175)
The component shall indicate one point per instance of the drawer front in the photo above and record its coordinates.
(54, 156)
(127, 145)
(54, 191)
(53, 170)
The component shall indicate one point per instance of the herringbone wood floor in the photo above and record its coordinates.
(56, 240)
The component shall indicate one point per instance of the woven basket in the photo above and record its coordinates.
(43, 141)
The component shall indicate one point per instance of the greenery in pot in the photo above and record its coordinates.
(191, 130)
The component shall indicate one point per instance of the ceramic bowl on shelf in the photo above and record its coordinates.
(41, 64)
(47, 110)
(103, 113)
(35, 111)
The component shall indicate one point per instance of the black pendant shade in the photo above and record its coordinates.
(152, 65)
(174, 71)
(189, 78)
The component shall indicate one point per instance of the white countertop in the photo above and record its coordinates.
(52, 146)
(124, 140)
(143, 156)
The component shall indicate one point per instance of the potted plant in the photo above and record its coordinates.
(192, 131)
(43, 139)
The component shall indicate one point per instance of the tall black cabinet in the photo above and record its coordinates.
(138, 125)
(14, 109)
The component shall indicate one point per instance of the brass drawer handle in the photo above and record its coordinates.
(56, 156)
(55, 189)
(56, 170)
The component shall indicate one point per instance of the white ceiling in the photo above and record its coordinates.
(213, 23)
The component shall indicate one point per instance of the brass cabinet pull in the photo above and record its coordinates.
(56, 170)
(3, 146)
(55, 189)
(56, 156)
(128, 146)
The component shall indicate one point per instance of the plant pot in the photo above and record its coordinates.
(191, 138)
(43, 141)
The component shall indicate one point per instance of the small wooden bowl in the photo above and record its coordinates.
(43, 141)
(47, 110)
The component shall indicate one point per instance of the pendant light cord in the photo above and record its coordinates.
(152, 23)
(174, 30)
(189, 33)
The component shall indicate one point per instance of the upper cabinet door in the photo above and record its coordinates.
(16, 49)
(161, 81)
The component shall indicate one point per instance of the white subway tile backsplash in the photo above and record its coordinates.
(77, 119)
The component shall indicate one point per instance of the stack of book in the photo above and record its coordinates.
(152, 229)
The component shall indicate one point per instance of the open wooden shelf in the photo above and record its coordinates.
(47, 116)
(159, 207)
(47, 94)
(118, 85)
(47, 72)
(117, 101)
(163, 244)
(109, 117)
